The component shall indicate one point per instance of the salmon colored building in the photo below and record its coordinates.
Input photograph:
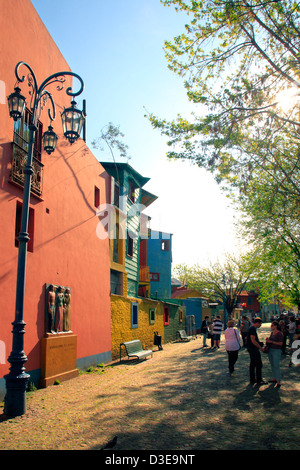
(67, 187)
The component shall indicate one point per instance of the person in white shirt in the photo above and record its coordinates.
(232, 344)
(217, 329)
(291, 330)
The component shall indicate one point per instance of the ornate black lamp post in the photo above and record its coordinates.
(16, 379)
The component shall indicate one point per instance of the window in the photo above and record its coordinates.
(30, 226)
(129, 245)
(166, 315)
(117, 194)
(116, 241)
(20, 150)
(131, 194)
(21, 134)
(152, 316)
(154, 276)
(165, 245)
(116, 282)
(97, 197)
(134, 315)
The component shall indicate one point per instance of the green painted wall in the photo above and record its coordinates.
(177, 315)
(133, 227)
(125, 175)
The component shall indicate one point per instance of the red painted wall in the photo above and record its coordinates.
(251, 302)
(66, 249)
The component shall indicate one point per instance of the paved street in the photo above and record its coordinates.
(181, 399)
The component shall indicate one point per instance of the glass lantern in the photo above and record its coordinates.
(16, 104)
(72, 122)
(49, 140)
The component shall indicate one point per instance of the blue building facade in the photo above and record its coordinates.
(160, 264)
(194, 308)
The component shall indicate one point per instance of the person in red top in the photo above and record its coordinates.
(274, 342)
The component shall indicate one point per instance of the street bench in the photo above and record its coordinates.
(183, 336)
(135, 349)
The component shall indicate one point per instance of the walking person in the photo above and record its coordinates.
(254, 348)
(217, 329)
(204, 330)
(274, 343)
(245, 325)
(282, 327)
(210, 334)
(291, 330)
(232, 345)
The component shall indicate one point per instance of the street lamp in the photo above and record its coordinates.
(16, 104)
(72, 122)
(16, 379)
(49, 140)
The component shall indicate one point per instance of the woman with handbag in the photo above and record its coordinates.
(274, 344)
(232, 344)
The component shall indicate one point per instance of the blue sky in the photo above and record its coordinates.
(117, 48)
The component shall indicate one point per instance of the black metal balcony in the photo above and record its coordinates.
(18, 164)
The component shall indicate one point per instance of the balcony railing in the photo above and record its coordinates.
(18, 165)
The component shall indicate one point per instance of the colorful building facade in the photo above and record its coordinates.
(160, 264)
(134, 312)
(127, 227)
(91, 266)
(135, 318)
(64, 249)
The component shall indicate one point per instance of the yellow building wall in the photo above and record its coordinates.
(206, 312)
(121, 326)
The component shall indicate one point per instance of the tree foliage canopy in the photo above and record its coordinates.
(271, 223)
(235, 56)
(113, 138)
(219, 281)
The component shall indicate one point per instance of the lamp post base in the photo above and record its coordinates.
(15, 398)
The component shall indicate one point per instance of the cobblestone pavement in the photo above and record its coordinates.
(181, 399)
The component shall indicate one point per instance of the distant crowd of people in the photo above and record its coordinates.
(284, 328)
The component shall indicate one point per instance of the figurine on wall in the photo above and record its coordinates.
(67, 311)
(59, 310)
(51, 308)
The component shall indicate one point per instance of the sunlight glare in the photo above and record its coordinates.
(287, 99)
